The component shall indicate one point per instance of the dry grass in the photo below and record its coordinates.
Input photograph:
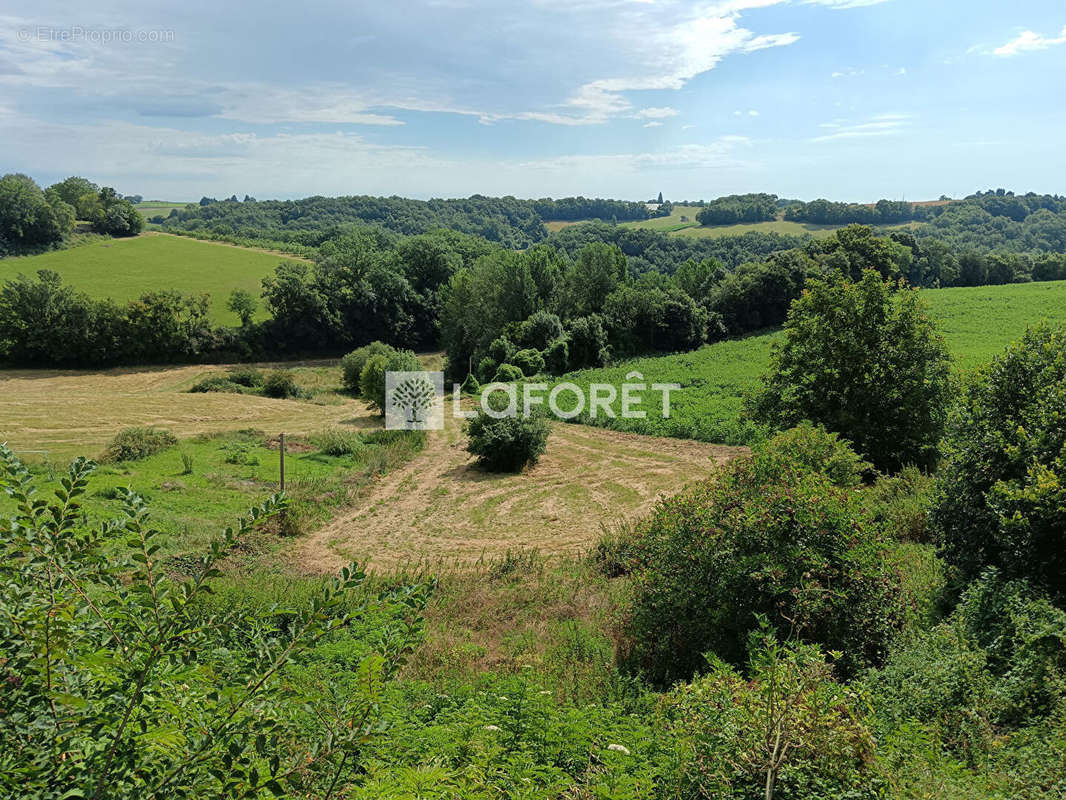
(440, 509)
(73, 412)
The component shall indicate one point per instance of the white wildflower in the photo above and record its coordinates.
(619, 748)
(492, 727)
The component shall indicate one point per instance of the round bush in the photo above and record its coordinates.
(768, 536)
(530, 362)
(133, 444)
(470, 385)
(1001, 500)
(507, 373)
(372, 379)
(501, 350)
(353, 363)
(541, 328)
(508, 444)
(249, 377)
(486, 368)
(281, 385)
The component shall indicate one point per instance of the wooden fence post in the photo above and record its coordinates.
(281, 452)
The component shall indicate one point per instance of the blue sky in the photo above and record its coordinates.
(847, 99)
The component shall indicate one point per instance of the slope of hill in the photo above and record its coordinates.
(976, 322)
(124, 269)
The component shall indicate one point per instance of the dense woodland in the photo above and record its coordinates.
(579, 297)
(509, 221)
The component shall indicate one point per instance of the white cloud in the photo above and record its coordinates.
(845, 3)
(879, 125)
(653, 124)
(657, 113)
(1028, 41)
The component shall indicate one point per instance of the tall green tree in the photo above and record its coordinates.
(866, 363)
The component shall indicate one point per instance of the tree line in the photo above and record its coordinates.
(34, 219)
(590, 294)
(311, 221)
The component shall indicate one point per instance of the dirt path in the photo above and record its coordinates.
(441, 509)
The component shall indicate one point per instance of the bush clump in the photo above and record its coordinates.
(864, 363)
(134, 444)
(507, 373)
(250, 377)
(281, 385)
(216, 383)
(1001, 500)
(768, 535)
(557, 356)
(530, 362)
(995, 665)
(508, 444)
(352, 364)
(470, 385)
(372, 379)
(784, 729)
(338, 442)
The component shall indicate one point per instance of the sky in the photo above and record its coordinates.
(846, 99)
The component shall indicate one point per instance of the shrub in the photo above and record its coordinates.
(1001, 500)
(337, 442)
(530, 362)
(508, 444)
(252, 377)
(501, 350)
(216, 383)
(240, 454)
(786, 729)
(353, 363)
(486, 368)
(114, 685)
(766, 536)
(372, 380)
(864, 364)
(539, 330)
(507, 373)
(281, 385)
(815, 449)
(902, 503)
(133, 444)
(996, 664)
(470, 385)
(557, 356)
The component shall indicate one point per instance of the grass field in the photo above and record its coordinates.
(155, 208)
(977, 323)
(439, 508)
(124, 269)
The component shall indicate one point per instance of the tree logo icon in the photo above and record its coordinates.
(414, 400)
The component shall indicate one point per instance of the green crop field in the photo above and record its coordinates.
(155, 208)
(124, 269)
(977, 323)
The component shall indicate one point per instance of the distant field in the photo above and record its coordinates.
(670, 223)
(124, 269)
(154, 208)
(977, 323)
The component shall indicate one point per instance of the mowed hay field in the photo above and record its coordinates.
(124, 269)
(70, 413)
(976, 322)
(440, 509)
